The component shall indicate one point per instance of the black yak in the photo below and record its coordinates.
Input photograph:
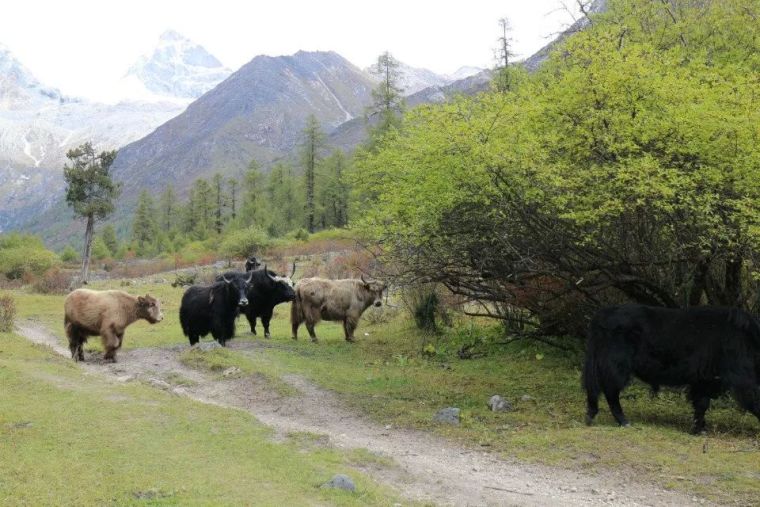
(336, 300)
(266, 290)
(106, 313)
(213, 308)
(709, 349)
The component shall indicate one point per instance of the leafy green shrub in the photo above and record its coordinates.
(7, 313)
(69, 255)
(244, 242)
(22, 254)
(99, 248)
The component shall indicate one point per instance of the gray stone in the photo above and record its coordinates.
(206, 346)
(340, 481)
(527, 397)
(231, 371)
(448, 415)
(499, 404)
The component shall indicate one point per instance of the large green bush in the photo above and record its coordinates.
(22, 254)
(244, 242)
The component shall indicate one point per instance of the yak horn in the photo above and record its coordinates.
(267, 272)
(250, 277)
(292, 271)
(225, 279)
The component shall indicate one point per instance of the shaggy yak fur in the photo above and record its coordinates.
(105, 313)
(266, 291)
(212, 309)
(336, 300)
(709, 349)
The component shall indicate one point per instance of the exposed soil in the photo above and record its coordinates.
(429, 468)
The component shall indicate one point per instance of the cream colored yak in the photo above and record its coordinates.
(106, 313)
(336, 300)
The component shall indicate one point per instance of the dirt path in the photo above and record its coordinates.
(430, 469)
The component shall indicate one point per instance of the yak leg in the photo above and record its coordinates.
(110, 344)
(613, 400)
(348, 328)
(310, 329)
(748, 396)
(76, 341)
(592, 406)
(266, 318)
(701, 402)
(251, 319)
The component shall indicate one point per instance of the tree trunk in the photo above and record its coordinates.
(87, 248)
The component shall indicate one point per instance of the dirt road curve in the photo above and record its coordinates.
(430, 469)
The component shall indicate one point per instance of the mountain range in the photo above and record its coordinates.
(180, 114)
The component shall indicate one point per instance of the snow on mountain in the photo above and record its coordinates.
(463, 73)
(415, 79)
(178, 68)
(19, 89)
(38, 126)
(411, 79)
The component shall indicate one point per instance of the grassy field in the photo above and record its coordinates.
(72, 439)
(387, 376)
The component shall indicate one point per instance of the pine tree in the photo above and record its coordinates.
(168, 210)
(313, 140)
(109, 238)
(503, 78)
(144, 225)
(90, 191)
(219, 202)
(387, 99)
(233, 184)
(334, 190)
(252, 211)
(202, 207)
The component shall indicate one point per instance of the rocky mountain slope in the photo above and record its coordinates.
(258, 112)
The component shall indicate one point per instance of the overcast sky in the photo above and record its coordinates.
(80, 46)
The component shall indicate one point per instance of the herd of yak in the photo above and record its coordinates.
(710, 350)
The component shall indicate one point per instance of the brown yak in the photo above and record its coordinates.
(337, 300)
(106, 313)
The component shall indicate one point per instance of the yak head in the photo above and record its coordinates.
(149, 308)
(282, 285)
(374, 289)
(238, 288)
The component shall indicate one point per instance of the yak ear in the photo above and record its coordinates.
(141, 301)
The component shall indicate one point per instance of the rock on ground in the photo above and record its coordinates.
(340, 481)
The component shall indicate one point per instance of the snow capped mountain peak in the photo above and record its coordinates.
(464, 72)
(178, 68)
(19, 89)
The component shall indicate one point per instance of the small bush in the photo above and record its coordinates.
(54, 281)
(425, 306)
(244, 242)
(69, 255)
(7, 313)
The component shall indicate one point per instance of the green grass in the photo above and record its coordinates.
(386, 376)
(74, 439)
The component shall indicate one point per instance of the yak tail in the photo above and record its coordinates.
(296, 311)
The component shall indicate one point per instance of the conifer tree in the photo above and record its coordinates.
(313, 140)
(144, 225)
(90, 190)
(168, 209)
